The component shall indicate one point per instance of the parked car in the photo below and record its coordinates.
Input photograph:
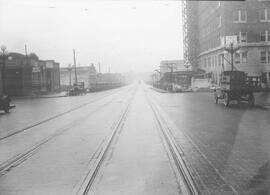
(5, 103)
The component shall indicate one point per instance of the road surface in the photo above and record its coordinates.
(134, 140)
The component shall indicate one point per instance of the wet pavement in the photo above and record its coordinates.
(227, 150)
(137, 163)
(31, 111)
(59, 162)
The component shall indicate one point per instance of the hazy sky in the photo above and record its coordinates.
(127, 35)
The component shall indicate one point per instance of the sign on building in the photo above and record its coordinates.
(226, 41)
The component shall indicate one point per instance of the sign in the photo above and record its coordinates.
(228, 40)
(49, 64)
(35, 69)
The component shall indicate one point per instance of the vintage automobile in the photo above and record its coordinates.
(236, 85)
(77, 89)
(5, 103)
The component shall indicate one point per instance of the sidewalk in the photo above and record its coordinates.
(159, 90)
(50, 95)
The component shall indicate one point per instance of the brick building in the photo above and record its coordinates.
(26, 75)
(249, 21)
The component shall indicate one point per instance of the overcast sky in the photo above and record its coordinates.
(127, 35)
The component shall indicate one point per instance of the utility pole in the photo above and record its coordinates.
(99, 67)
(74, 57)
(3, 55)
(25, 50)
(69, 70)
(232, 51)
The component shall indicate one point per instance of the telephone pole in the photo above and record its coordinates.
(75, 69)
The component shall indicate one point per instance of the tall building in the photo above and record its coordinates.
(249, 22)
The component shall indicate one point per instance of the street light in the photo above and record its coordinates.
(4, 56)
(231, 50)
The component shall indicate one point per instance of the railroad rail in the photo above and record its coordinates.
(186, 182)
(54, 117)
(19, 158)
(84, 186)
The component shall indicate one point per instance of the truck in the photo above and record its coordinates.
(237, 86)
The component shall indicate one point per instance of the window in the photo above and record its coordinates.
(243, 36)
(268, 57)
(264, 15)
(263, 36)
(239, 16)
(237, 58)
(216, 61)
(263, 56)
(243, 15)
(244, 57)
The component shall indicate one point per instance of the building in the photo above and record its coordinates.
(248, 21)
(103, 81)
(171, 66)
(67, 75)
(27, 75)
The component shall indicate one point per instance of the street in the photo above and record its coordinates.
(134, 140)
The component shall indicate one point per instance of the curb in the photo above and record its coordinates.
(38, 97)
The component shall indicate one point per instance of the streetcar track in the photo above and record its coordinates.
(19, 158)
(206, 159)
(54, 117)
(84, 186)
(190, 186)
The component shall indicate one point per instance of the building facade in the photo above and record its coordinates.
(171, 66)
(249, 22)
(27, 75)
(67, 76)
